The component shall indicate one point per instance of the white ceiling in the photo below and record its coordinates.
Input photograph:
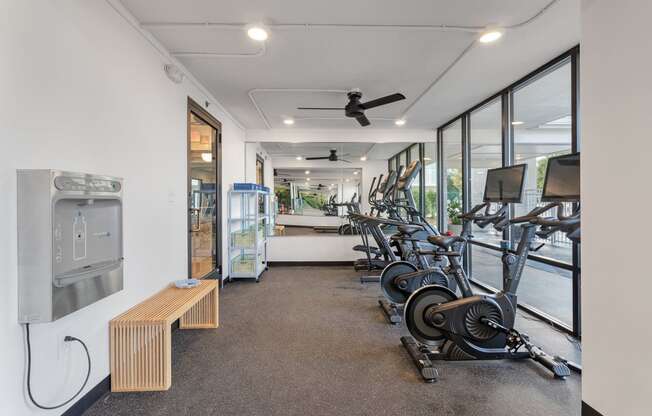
(379, 61)
(373, 151)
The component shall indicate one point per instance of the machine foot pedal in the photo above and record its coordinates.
(393, 312)
(420, 359)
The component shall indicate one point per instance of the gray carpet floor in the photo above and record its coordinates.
(313, 341)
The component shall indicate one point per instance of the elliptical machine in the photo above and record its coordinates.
(479, 326)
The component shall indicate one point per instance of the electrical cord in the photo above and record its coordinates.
(68, 338)
(577, 344)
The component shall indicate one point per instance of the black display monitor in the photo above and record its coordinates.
(505, 184)
(562, 182)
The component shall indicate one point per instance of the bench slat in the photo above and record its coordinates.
(168, 305)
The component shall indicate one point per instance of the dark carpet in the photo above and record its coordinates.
(313, 341)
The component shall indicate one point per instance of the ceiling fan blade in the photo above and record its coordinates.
(382, 101)
(320, 108)
(317, 158)
(363, 120)
(345, 161)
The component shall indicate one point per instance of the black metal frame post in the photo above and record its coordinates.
(422, 179)
(441, 203)
(575, 133)
(466, 182)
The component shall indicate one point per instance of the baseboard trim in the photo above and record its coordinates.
(309, 263)
(589, 411)
(89, 398)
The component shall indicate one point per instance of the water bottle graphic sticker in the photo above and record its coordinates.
(79, 237)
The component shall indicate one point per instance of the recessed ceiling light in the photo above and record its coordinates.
(257, 32)
(517, 123)
(355, 173)
(400, 122)
(307, 172)
(348, 180)
(490, 35)
(298, 158)
(307, 179)
(363, 158)
(288, 121)
(332, 184)
(207, 157)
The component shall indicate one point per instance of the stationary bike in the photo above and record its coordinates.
(479, 326)
(402, 278)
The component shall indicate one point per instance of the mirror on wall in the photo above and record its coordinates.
(316, 184)
(315, 192)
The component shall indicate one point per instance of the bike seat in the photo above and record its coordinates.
(409, 229)
(444, 241)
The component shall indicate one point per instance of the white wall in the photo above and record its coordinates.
(83, 91)
(301, 248)
(616, 90)
(309, 221)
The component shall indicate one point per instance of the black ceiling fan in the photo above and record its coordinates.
(355, 109)
(333, 157)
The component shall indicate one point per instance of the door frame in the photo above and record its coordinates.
(196, 109)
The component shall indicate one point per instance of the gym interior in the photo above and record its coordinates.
(331, 208)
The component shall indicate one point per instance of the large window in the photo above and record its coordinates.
(430, 180)
(542, 128)
(452, 192)
(526, 123)
(485, 136)
(402, 160)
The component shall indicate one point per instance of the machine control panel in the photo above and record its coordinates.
(81, 184)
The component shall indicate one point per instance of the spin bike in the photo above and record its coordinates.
(402, 278)
(480, 326)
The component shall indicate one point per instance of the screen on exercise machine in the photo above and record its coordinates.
(562, 179)
(505, 184)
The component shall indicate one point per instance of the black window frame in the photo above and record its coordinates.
(506, 96)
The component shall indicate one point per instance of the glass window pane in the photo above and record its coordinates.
(416, 187)
(542, 128)
(203, 179)
(452, 146)
(486, 153)
(402, 159)
(430, 170)
(544, 287)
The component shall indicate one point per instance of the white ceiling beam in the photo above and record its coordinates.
(341, 135)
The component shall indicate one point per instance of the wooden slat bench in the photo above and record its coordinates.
(141, 350)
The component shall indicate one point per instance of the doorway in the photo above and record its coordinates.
(204, 193)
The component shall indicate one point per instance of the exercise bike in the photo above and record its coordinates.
(479, 326)
(420, 266)
(402, 278)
